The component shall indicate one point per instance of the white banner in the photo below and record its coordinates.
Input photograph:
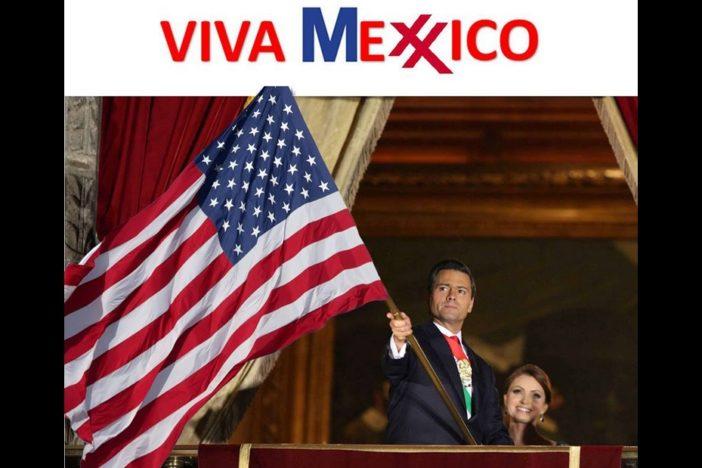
(352, 47)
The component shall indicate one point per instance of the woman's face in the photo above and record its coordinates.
(525, 399)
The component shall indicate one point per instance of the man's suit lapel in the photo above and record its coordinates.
(447, 366)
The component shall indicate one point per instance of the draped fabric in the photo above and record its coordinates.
(629, 108)
(145, 143)
(619, 119)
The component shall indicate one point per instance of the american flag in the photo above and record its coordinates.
(250, 248)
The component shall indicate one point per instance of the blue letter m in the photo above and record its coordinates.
(312, 21)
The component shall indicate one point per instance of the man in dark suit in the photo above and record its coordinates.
(416, 412)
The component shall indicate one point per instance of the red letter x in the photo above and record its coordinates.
(409, 36)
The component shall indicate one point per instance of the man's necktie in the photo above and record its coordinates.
(464, 369)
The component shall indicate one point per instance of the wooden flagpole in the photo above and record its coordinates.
(414, 344)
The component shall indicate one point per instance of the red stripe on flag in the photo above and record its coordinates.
(78, 344)
(176, 397)
(142, 340)
(91, 290)
(85, 433)
(75, 273)
(157, 457)
(258, 275)
(129, 398)
(316, 275)
(313, 321)
(74, 394)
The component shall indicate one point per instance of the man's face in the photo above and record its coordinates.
(451, 299)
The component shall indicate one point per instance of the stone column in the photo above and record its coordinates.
(81, 128)
(81, 132)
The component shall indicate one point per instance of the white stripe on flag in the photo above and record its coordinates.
(107, 259)
(144, 313)
(87, 256)
(316, 298)
(310, 212)
(78, 416)
(113, 296)
(132, 372)
(67, 291)
(310, 301)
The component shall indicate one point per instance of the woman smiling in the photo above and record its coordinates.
(526, 399)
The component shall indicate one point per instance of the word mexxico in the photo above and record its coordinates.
(360, 35)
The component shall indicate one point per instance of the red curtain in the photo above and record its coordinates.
(145, 142)
(629, 108)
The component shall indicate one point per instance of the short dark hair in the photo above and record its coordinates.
(451, 264)
(537, 373)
